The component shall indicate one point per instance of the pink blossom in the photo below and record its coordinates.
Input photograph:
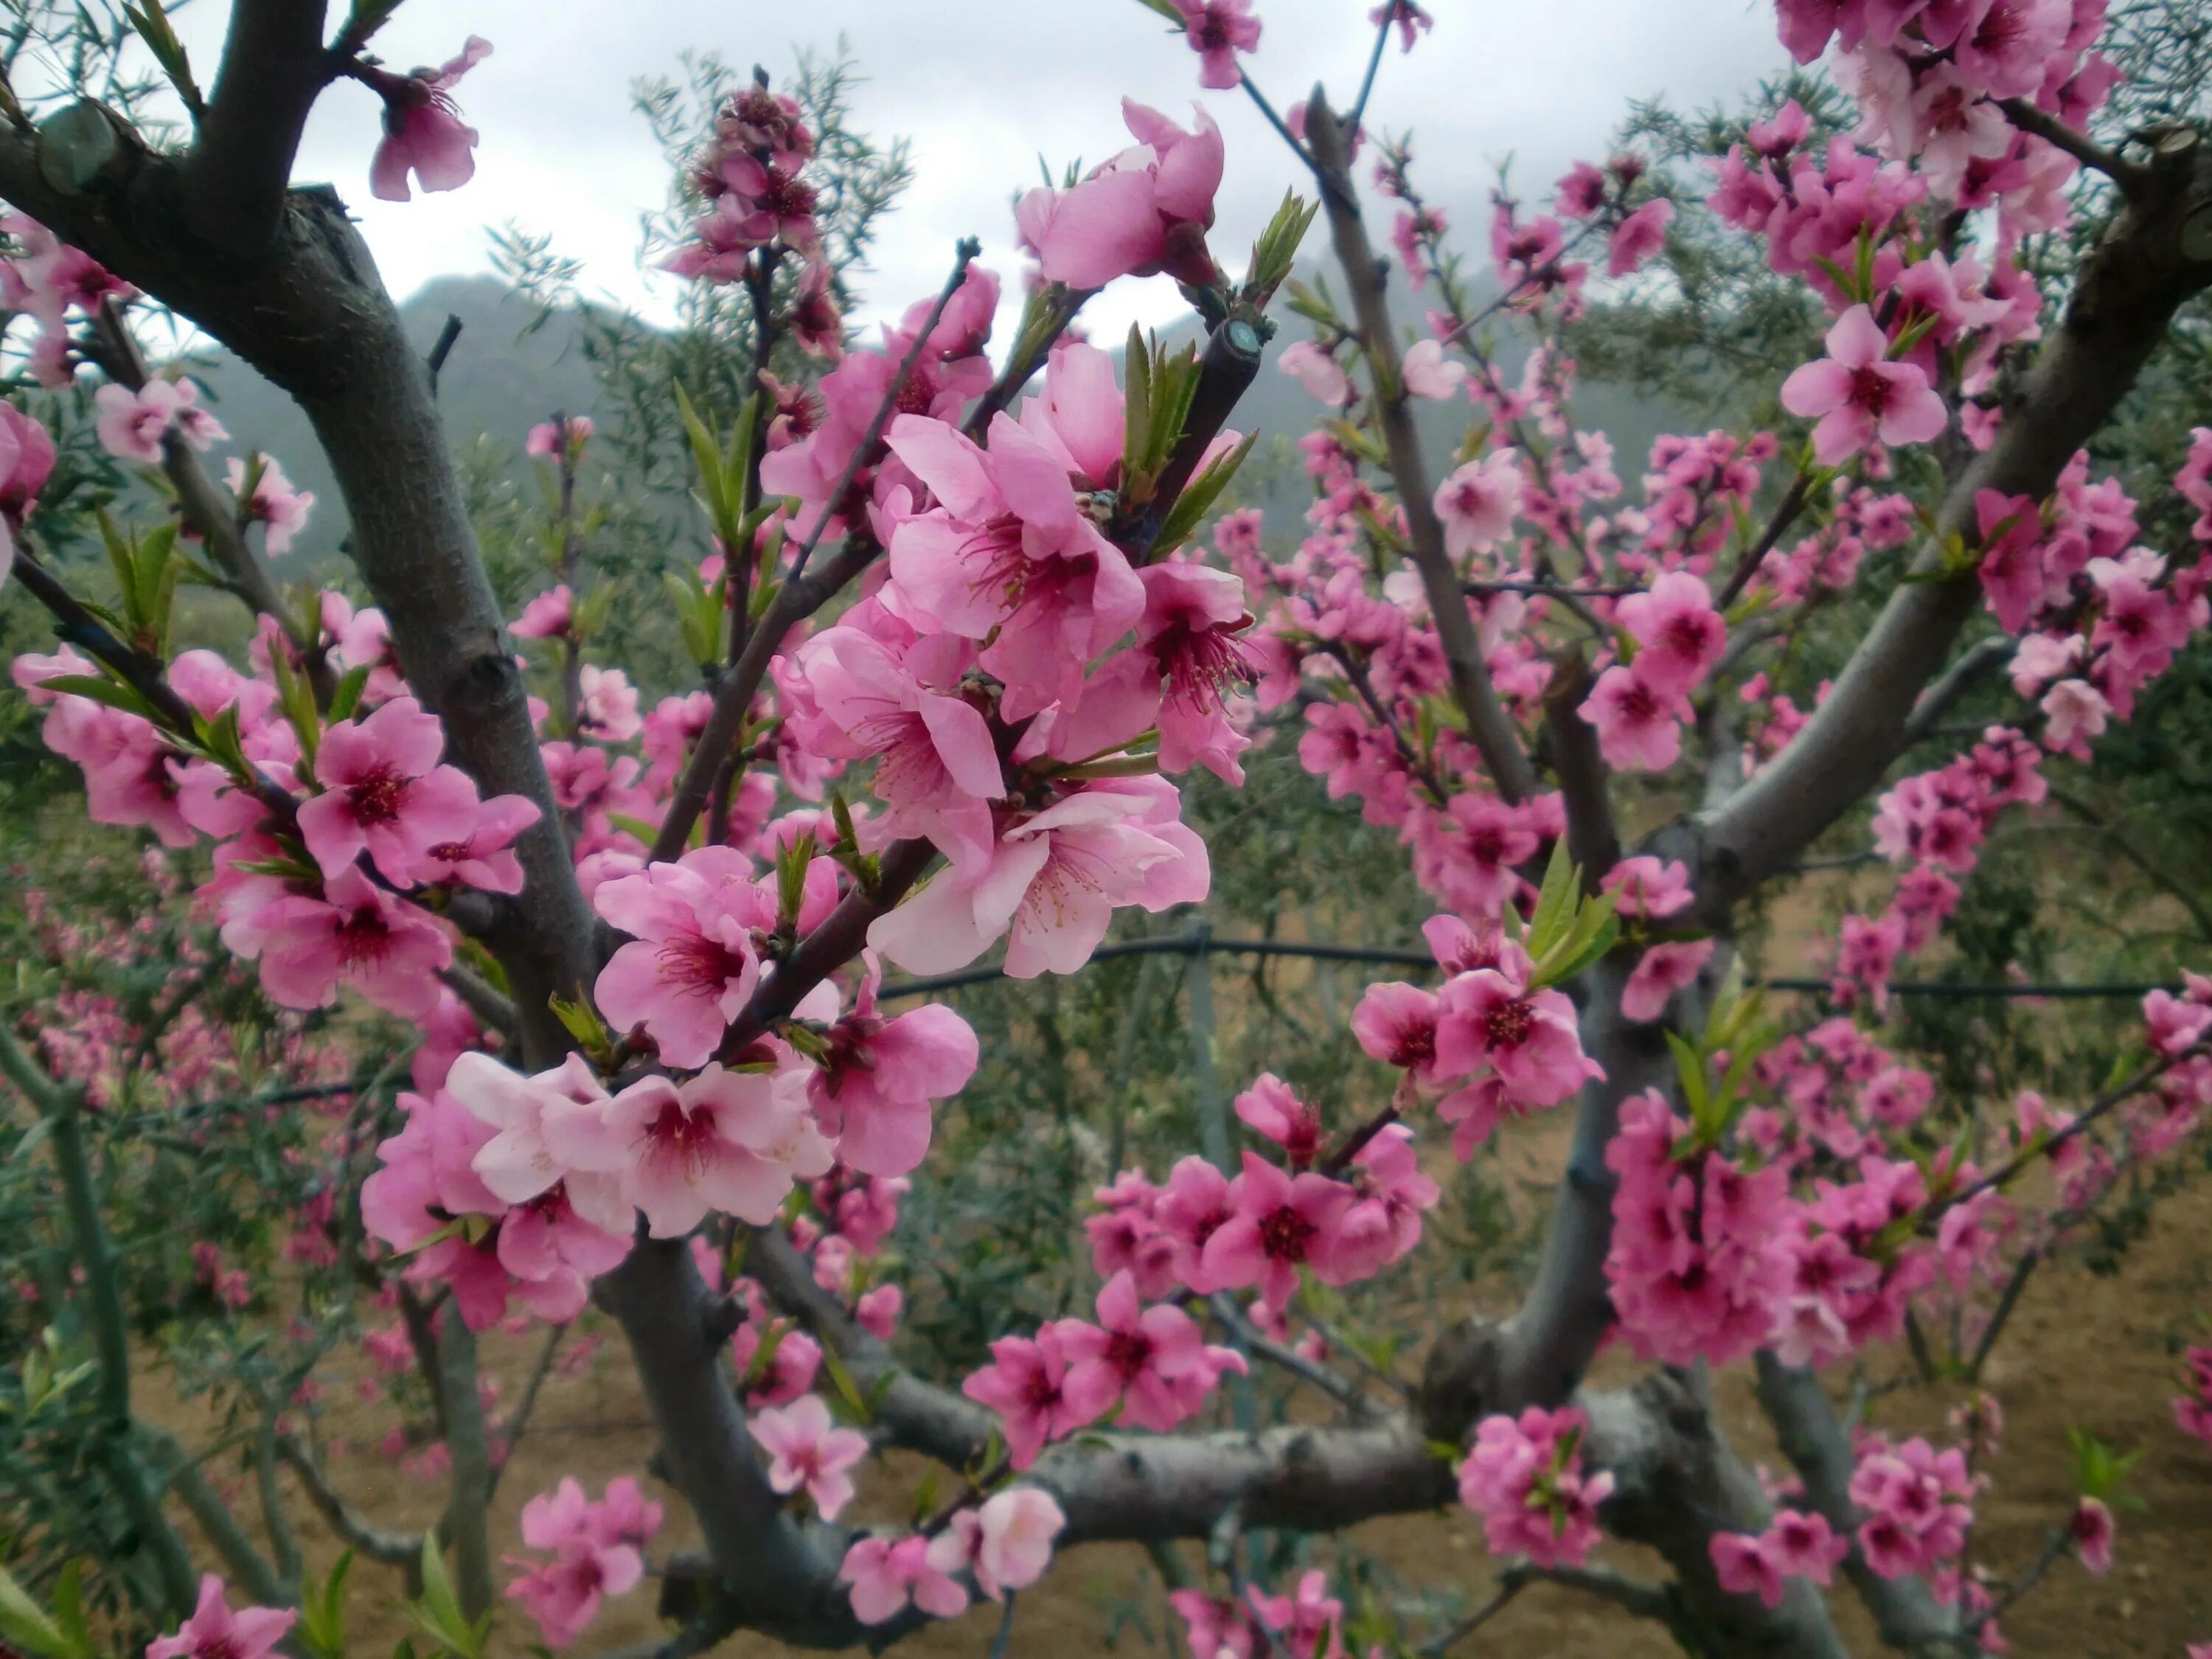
(693, 960)
(423, 133)
(548, 438)
(731, 1141)
(1428, 373)
(874, 1084)
(274, 503)
(566, 1594)
(1272, 1108)
(2075, 711)
(1648, 890)
(1216, 31)
(885, 1574)
(1015, 1530)
(1529, 1039)
(355, 934)
(936, 769)
(1639, 726)
(384, 792)
(525, 1159)
(1638, 237)
(1028, 1383)
(1861, 396)
(1154, 1360)
(1051, 884)
(547, 616)
(1479, 501)
(1523, 1477)
(1315, 370)
(484, 858)
(807, 1451)
(1146, 210)
(1277, 1224)
(1681, 635)
(1659, 973)
(1008, 557)
(132, 424)
(214, 1631)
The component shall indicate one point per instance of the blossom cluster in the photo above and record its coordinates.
(586, 1552)
(1524, 1477)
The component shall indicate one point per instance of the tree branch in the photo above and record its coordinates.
(2151, 261)
(1488, 725)
(393, 1549)
(273, 68)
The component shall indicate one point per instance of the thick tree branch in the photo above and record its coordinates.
(2157, 254)
(1907, 1614)
(1488, 725)
(273, 67)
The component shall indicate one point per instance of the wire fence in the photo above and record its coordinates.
(1201, 942)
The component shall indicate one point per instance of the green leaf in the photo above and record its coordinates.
(1200, 494)
(792, 860)
(347, 697)
(1136, 403)
(1555, 901)
(152, 23)
(848, 1392)
(1165, 10)
(113, 693)
(707, 461)
(1275, 254)
(581, 1021)
(25, 1625)
(1690, 1066)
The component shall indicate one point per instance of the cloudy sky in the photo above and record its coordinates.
(982, 87)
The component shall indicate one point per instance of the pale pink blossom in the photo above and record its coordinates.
(423, 133)
(1429, 373)
(808, 1452)
(214, 1631)
(1479, 501)
(385, 793)
(1860, 396)
(1318, 372)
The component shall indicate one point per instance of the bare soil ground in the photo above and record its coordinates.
(2085, 1350)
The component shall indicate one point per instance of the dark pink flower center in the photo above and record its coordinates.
(1200, 662)
(703, 963)
(1508, 1023)
(364, 938)
(1870, 389)
(688, 1138)
(376, 799)
(1286, 1235)
(1129, 1352)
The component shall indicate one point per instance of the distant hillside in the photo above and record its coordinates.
(498, 382)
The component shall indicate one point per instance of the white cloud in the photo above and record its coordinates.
(982, 88)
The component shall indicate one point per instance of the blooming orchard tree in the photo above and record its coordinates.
(963, 628)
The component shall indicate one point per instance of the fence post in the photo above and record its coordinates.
(1206, 1085)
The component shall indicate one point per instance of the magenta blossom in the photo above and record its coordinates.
(872, 1087)
(1529, 1039)
(355, 934)
(274, 503)
(423, 133)
(1009, 558)
(1218, 30)
(1681, 636)
(1860, 396)
(728, 1141)
(214, 1631)
(807, 1451)
(694, 956)
(384, 792)
(1478, 503)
